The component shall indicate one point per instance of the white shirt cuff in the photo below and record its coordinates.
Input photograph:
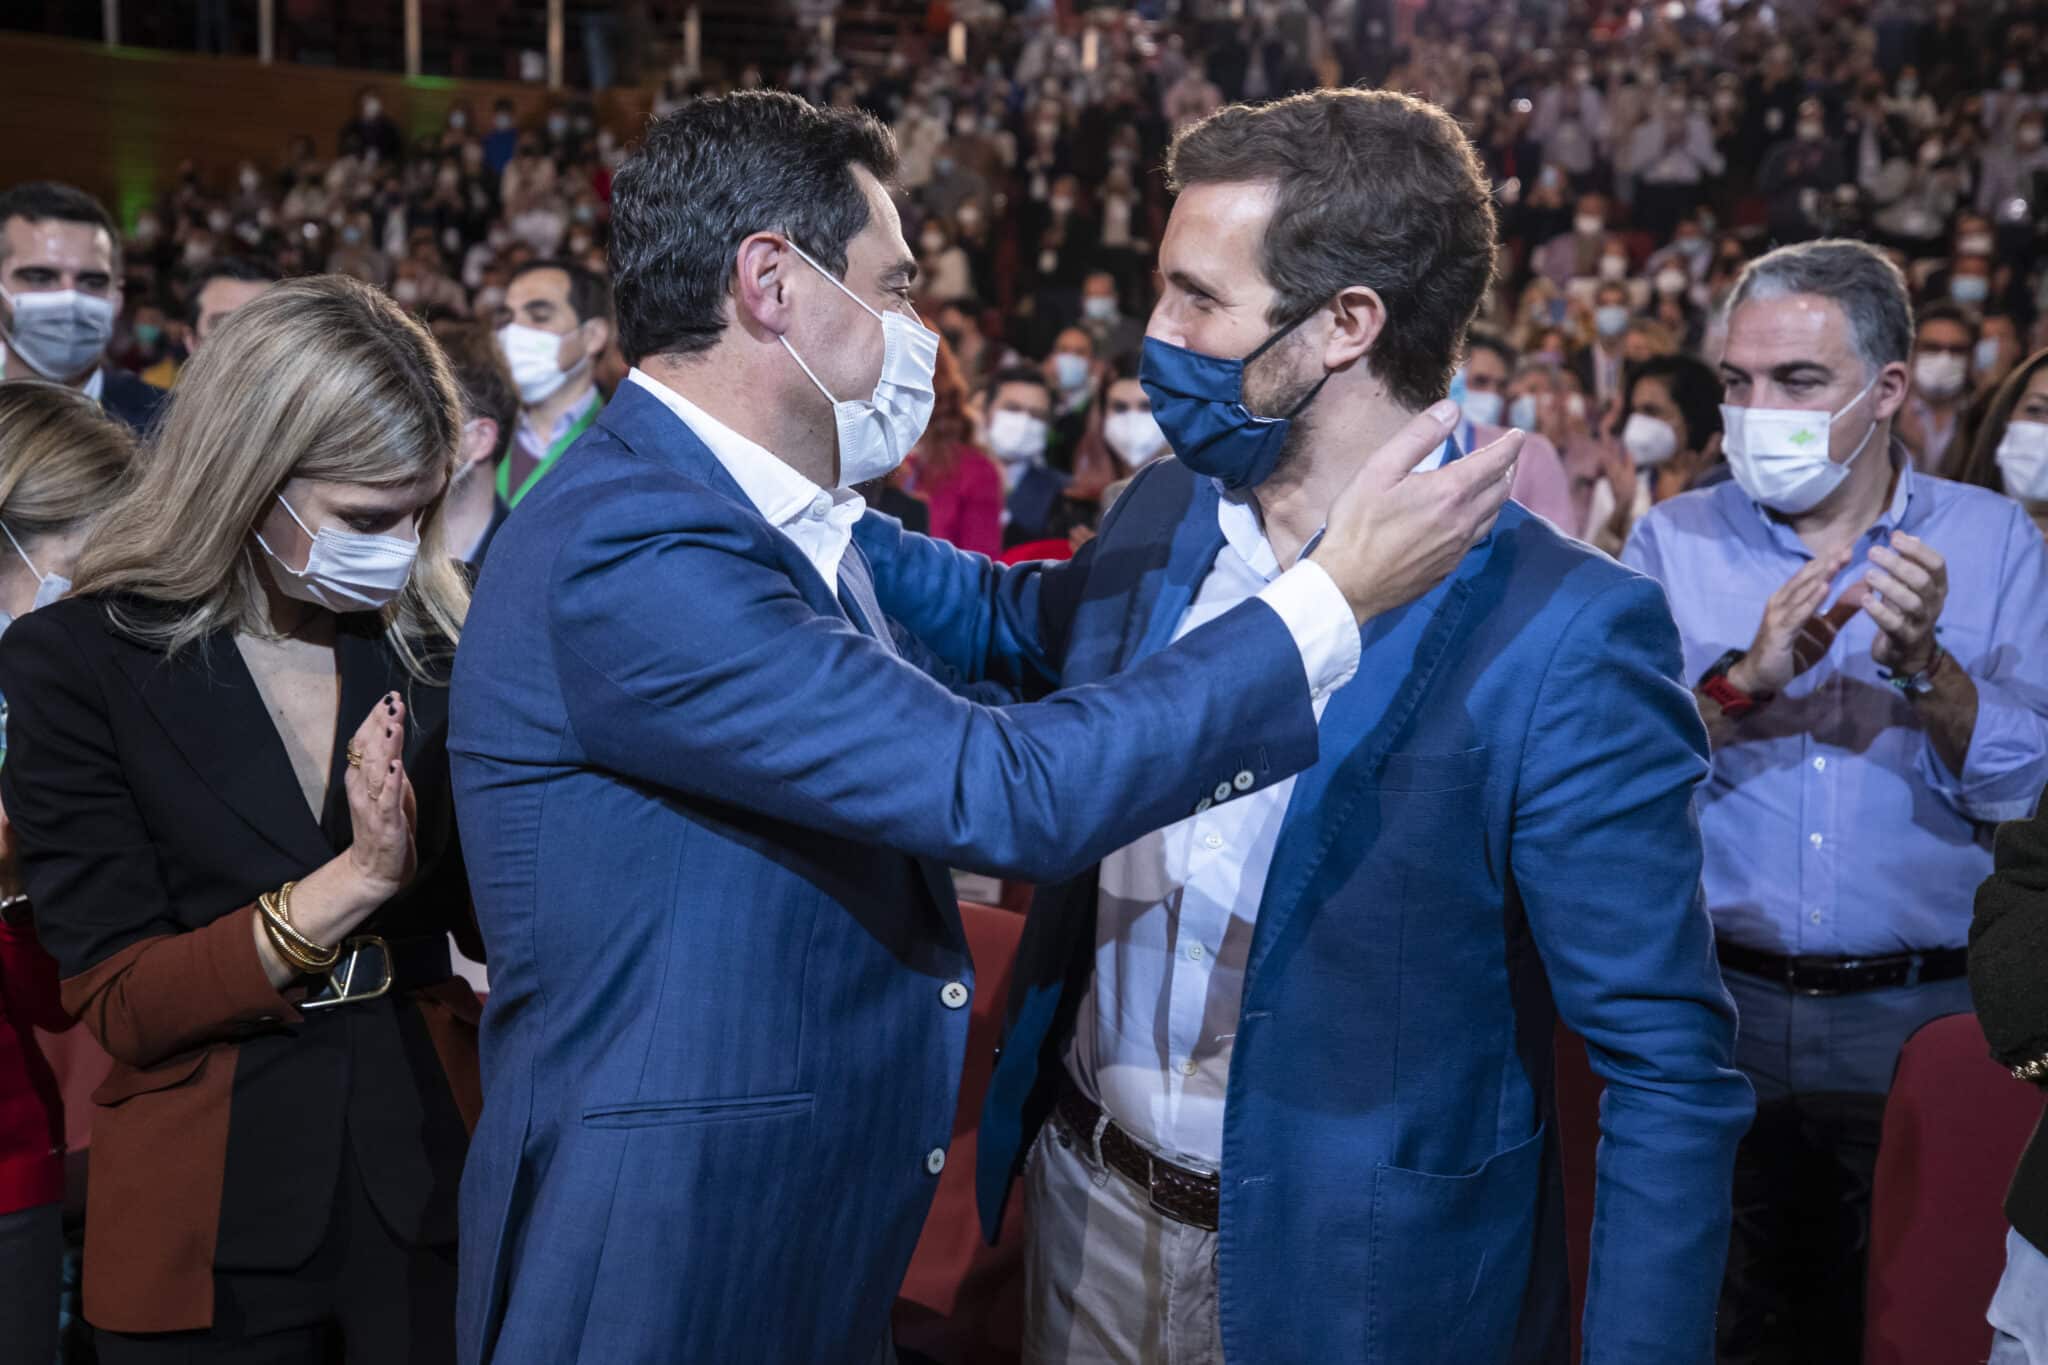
(1321, 622)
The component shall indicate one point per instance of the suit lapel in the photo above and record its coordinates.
(209, 707)
(1400, 654)
(1164, 594)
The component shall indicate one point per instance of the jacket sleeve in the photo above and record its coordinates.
(142, 983)
(2009, 943)
(1607, 860)
(733, 688)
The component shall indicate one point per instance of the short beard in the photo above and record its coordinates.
(1284, 391)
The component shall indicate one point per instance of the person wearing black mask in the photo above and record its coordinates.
(60, 267)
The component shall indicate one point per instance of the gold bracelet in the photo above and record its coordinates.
(293, 946)
(2034, 1069)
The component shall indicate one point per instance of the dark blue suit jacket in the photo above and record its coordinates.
(1500, 829)
(131, 401)
(708, 820)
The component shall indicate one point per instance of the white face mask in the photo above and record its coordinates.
(1614, 268)
(1070, 371)
(49, 586)
(1099, 308)
(1940, 375)
(1135, 437)
(1523, 413)
(1586, 225)
(1610, 320)
(534, 357)
(1986, 354)
(1672, 282)
(1483, 409)
(1780, 455)
(59, 333)
(876, 433)
(1649, 441)
(2023, 461)
(346, 570)
(1016, 437)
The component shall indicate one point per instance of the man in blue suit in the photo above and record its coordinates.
(709, 809)
(1279, 1077)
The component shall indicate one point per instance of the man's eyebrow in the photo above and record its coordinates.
(1190, 283)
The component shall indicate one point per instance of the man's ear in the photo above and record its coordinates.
(597, 336)
(479, 443)
(761, 290)
(1360, 316)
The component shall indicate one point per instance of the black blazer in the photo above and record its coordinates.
(153, 801)
(2009, 984)
(133, 402)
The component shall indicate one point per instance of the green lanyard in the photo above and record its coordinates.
(511, 499)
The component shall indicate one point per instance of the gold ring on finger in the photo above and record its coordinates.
(355, 757)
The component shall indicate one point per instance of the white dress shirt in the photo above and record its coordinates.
(818, 521)
(1176, 909)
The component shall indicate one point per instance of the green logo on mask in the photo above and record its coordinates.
(1803, 437)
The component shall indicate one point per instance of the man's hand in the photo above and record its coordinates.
(1394, 534)
(1908, 588)
(1791, 639)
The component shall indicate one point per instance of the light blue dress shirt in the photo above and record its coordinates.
(1832, 827)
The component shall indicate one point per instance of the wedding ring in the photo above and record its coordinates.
(355, 757)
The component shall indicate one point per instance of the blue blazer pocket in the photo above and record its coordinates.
(675, 1113)
(1450, 1258)
(1420, 772)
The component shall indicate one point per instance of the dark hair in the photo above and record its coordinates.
(1944, 311)
(589, 296)
(482, 378)
(43, 201)
(713, 173)
(238, 268)
(1695, 391)
(1485, 339)
(1016, 374)
(1376, 189)
(1978, 463)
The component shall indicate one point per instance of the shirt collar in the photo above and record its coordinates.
(1237, 514)
(564, 423)
(95, 384)
(778, 492)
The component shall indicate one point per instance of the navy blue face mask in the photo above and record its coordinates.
(1198, 401)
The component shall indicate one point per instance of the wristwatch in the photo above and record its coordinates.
(1733, 701)
(1914, 686)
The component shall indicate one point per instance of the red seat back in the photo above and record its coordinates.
(1954, 1127)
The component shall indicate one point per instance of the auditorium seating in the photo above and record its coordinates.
(1954, 1128)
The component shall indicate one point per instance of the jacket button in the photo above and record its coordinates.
(1203, 805)
(935, 1160)
(1243, 781)
(1222, 792)
(953, 995)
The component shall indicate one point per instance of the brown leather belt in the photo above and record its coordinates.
(1181, 1194)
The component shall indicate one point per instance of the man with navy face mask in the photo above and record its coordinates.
(1283, 1069)
(1870, 645)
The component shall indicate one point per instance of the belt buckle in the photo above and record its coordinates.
(1152, 1187)
(348, 983)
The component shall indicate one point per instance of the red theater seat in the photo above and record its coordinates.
(1954, 1128)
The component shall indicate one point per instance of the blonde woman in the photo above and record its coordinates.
(230, 791)
(60, 462)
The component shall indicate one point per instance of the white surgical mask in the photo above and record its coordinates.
(1587, 225)
(1971, 289)
(1986, 355)
(1939, 375)
(1099, 308)
(346, 570)
(534, 357)
(49, 586)
(1071, 371)
(1522, 413)
(1135, 436)
(2023, 461)
(876, 433)
(1780, 455)
(1482, 409)
(1672, 282)
(1649, 441)
(1610, 320)
(1016, 437)
(59, 333)
(1614, 268)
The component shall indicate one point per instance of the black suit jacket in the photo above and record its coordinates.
(153, 802)
(2009, 984)
(131, 401)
